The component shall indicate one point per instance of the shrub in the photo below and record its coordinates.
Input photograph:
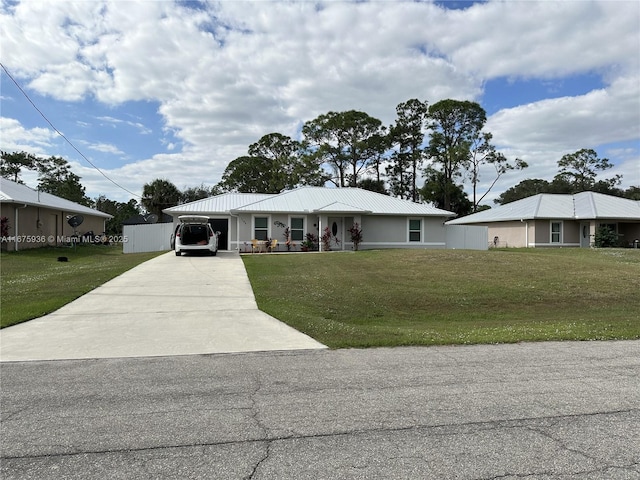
(4, 227)
(356, 235)
(310, 242)
(605, 237)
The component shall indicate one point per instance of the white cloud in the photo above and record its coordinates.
(105, 148)
(229, 72)
(601, 116)
(113, 122)
(541, 133)
(16, 138)
(540, 39)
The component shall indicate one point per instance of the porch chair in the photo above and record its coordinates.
(254, 245)
(273, 244)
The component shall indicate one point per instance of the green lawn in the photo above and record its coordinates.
(430, 297)
(33, 282)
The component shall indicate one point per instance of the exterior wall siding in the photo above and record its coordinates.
(379, 232)
(376, 230)
(629, 234)
(515, 234)
(509, 234)
(39, 226)
(570, 234)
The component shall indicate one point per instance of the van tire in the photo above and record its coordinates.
(177, 254)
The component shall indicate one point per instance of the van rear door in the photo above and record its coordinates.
(193, 219)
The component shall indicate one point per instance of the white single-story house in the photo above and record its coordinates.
(386, 222)
(36, 219)
(558, 220)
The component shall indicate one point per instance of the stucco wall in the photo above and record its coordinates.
(378, 231)
(570, 234)
(39, 226)
(383, 230)
(393, 232)
(275, 230)
(510, 234)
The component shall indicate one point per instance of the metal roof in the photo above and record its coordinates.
(219, 204)
(343, 200)
(339, 207)
(580, 206)
(12, 192)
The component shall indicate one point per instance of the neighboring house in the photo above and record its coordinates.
(554, 220)
(386, 222)
(37, 218)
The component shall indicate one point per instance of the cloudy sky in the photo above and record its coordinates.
(178, 89)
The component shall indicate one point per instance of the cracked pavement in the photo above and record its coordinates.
(567, 410)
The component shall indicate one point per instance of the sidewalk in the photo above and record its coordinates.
(167, 306)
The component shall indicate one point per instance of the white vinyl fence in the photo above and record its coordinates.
(467, 237)
(147, 238)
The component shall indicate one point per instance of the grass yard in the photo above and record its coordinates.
(34, 283)
(435, 297)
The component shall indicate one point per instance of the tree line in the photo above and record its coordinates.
(445, 143)
(55, 177)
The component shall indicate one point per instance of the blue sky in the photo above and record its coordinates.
(177, 90)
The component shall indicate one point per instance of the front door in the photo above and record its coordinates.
(336, 227)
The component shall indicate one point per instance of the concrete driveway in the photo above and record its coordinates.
(167, 306)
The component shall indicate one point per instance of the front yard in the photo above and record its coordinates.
(434, 297)
(33, 282)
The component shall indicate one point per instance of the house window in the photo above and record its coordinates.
(415, 230)
(297, 229)
(261, 228)
(556, 232)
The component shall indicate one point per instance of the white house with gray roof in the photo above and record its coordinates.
(386, 222)
(556, 220)
(37, 219)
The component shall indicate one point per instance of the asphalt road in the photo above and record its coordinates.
(535, 411)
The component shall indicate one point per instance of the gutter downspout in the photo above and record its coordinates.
(15, 240)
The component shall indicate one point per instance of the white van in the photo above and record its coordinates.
(194, 234)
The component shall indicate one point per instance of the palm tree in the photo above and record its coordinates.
(158, 195)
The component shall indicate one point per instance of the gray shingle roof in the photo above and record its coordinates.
(580, 206)
(12, 192)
